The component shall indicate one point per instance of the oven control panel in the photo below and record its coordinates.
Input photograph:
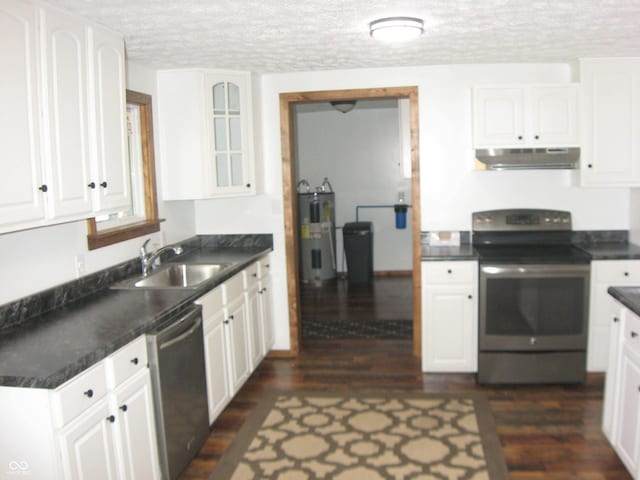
(521, 220)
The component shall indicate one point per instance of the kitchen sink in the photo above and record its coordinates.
(176, 275)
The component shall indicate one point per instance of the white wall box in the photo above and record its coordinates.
(450, 316)
(610, 100)
(605, 273)
(100, 424)
(525, 116)
(206, 139)
(56, 121)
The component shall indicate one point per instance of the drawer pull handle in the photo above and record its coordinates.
(111, 419)
(124, 408)
(89, 393)
(135, 360)
(634, 334)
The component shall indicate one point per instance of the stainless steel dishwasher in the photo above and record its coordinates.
(176, 362)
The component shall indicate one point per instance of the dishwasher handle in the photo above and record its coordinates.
(180, 329)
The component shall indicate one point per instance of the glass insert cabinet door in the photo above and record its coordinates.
(230, 117)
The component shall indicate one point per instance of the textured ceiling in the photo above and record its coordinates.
(287, 36)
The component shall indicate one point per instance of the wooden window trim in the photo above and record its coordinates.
(98, 239)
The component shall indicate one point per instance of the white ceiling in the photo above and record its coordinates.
(302, 35)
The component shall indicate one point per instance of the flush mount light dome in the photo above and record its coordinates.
(396, 29)
(344, 106)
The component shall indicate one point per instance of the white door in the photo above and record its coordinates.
(449, 333)
(266, 302)
(256, 334)
(135, 424)
(498, 117)
(554, 116)
(110, 119)
(217, 366)
(628, 419)
(87, 445)
(236, 323)
(20, 162)
(69, 162)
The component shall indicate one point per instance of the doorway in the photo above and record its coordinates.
(287, 104)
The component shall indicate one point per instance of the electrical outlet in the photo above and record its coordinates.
(80, 267)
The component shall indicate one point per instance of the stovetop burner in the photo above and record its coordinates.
(525, 236)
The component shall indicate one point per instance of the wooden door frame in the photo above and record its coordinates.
(287, 101)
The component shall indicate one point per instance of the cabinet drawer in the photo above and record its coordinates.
(632, 331)
(616, 272)
(264, 266)
(130, 359)
(449, 272)
(233, 288)
(211, 301)
(78, 394)
(250, 275)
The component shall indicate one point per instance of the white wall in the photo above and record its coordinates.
(450, 189)
(37, 259)
(634, 216)
(360, 154)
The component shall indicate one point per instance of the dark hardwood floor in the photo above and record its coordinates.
(547, 432)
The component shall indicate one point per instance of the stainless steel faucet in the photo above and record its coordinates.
(148, 258)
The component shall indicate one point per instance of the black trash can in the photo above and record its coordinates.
(358, 247)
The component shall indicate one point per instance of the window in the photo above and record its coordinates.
(141, 218)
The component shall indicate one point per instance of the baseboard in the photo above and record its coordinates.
(383, 273)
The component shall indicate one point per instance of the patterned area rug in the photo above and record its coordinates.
(352, 436)
(340, 329)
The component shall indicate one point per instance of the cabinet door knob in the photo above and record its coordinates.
(103, 184)
(626, 274)
(634, 334)
(537, 137)
(470, 297)
(226, 321)
(89, 393)
(43, 188)
(449, 271)
(519, 137)
(92, 185)
(230, 317)
(124, 408)
(616, 319)
(248, 185)
(589, 166)
(135, 360)
(111, 419)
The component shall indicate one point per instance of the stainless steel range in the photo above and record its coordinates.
(534, 297)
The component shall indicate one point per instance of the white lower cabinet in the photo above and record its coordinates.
(621, 411)
(449, 316)
(234, 334)
(605, 273)
(89, 427)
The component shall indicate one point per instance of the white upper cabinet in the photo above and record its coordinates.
(206, 135)
(112, 174)
(69, 163)
(20, 124)
(610, 98)
(525, 116)
(62, 126)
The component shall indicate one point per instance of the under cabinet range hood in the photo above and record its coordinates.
(527, 158)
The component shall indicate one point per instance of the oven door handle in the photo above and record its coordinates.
(548, 269)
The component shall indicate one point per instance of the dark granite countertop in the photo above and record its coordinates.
(611, 251)
(628, 296)
(48, 349)
(442, 253)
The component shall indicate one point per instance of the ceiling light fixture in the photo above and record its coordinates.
(396, 29)
(344, 106)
